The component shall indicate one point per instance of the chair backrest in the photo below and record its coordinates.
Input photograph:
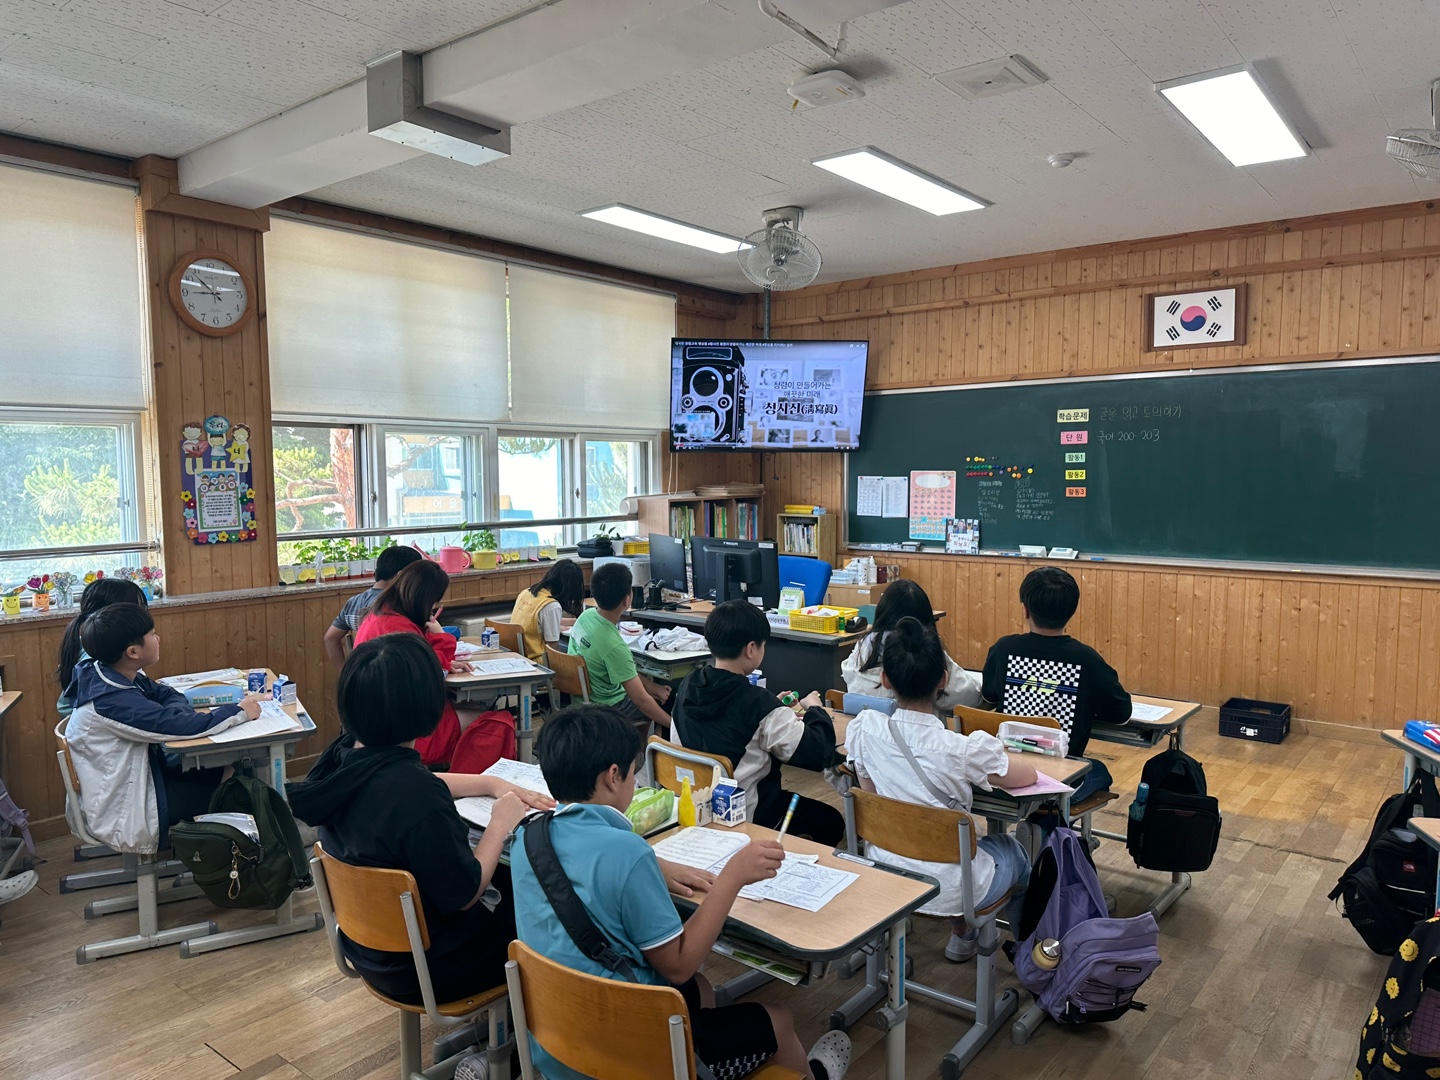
(812, 575)
(667, 757)
(835, 699)
(914, 832)
(366, 903)
(599, 1026)
(67, 763)
(510, 635)
(973, 720)
(570, 674)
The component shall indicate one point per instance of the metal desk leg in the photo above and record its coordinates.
(1179, 884)
(1412, 765)
(895, 1010)
(727, 993)
(525, 736)
(149, 935)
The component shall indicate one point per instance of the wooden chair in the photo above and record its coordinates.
(835, 699)
(570, 674)
(934, 835)
(510, 634)
(972, 720)
(663, 761)
(603, 1027)
(381, 909)
(143, 871)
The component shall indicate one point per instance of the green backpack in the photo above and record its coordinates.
(232, 869)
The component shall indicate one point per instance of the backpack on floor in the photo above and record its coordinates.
(436, 748)
(1103, 961)
(231, 866)
(485, 740)
(1177, 825)
(1401, 1036)
(1391, 885)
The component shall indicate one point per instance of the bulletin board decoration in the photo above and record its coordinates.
(218, 500)
(932, 503)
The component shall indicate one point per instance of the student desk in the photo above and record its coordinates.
(798, 660)
(1416, 756)
(475, 687)
(658, 664)
(1147, 733)
(879, 902)
(8, 700)
(269, 753)
(1428, 829)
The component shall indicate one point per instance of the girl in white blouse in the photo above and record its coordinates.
(914, 669)
(862, 668)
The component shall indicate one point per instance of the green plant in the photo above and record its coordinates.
(607, 532)
(306, 550)
(380, 546)
(484, 540)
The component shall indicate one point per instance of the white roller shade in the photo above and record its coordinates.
(70, 298)
(583, 351)
(363, 326)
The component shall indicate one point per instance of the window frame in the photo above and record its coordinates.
(649, 466)
(474, 439)
(359, 447)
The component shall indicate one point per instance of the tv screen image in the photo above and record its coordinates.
(766, 395)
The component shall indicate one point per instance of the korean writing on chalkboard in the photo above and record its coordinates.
(1137, 412)
(1105, 435)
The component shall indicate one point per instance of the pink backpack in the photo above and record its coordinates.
(487, 739)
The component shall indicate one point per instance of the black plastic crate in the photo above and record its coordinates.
(1258, 721)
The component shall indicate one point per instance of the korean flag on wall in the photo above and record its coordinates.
(1209, 317)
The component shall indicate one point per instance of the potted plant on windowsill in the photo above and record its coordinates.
(482, 548)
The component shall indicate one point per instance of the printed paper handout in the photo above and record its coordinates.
(1140, 711)
(272, 721)
(869, 496)
(962, 536)
(801, 882)
(476, 808)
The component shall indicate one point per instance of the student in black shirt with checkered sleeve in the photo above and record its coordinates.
(1046, 672)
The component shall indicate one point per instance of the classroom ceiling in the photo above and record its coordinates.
(717, 145)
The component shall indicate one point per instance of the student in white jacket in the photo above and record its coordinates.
(130, 794)
(861, 669)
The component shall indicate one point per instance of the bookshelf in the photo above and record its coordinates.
(687, 514)
(812, 535)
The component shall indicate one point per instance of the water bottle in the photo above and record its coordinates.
(1137, 808)
(1046, 954)
(685, 812)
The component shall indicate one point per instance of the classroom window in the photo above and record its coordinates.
(614, 469)
(66, 484)
(531, 485)
(430, 478)
(315, 481)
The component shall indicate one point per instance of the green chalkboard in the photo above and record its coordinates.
(1329, 464)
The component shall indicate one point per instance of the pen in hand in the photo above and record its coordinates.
(790, 813)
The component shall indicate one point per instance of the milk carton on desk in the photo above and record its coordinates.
(727, 803)
(283, 691)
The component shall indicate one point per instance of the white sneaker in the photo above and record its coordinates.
(960, 949)
(832, 1052)
(12, 888)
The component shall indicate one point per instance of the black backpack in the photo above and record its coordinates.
(1391, 886)
(232, 869)
(1178, 827)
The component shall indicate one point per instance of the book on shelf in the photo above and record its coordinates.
(799, 538)
(803, 508)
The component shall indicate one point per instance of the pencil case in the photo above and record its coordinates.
(1423, 732)
(1044, 739)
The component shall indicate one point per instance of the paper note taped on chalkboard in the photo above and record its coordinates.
(1074, 474)
(1074, 493)
(1072, 416)
(1075, 457)
(1074, 438)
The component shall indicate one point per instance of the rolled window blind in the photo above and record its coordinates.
(70, 298)
(585, 352)
(364, 326)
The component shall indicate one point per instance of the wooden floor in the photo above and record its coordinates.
(1260, 977)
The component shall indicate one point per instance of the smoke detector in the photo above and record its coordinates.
(1060, 161)
(825, 88)
(992, 77)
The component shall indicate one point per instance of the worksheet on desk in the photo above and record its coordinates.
(476, 808)
(272, 721)
(1141, 711)
(800, 883)
(505, 665)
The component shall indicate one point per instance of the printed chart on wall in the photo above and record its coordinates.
(1325, 464)
(218, 500)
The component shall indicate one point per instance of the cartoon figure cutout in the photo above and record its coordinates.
(218, 502)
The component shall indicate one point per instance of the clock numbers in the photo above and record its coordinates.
(213, 293)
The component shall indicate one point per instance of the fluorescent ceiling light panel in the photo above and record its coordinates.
(1231, 109)
(627, 217)
(890, 176)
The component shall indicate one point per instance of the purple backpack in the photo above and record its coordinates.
(1103, 961)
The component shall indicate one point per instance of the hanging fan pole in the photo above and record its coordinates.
(767, 313)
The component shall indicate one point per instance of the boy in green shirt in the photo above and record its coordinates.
(609, 664)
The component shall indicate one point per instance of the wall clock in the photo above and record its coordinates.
(211, 294)
(1192, 320)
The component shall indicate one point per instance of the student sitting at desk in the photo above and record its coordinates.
(717, 711)
(861, 669)
(953, 763)
(1048, 673)
(100, 593)
(376, 804)
(392, 560)
(588, 758)
(410, 604)
(608, 661)
(541, 610)
(130, 792)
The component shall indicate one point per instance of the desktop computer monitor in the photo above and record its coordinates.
(721, 567)
(667, 562)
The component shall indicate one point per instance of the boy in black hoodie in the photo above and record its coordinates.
(718, 711)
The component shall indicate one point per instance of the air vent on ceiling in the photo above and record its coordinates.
(992, 77)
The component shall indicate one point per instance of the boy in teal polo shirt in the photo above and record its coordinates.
(587, 754)
(609, 664)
